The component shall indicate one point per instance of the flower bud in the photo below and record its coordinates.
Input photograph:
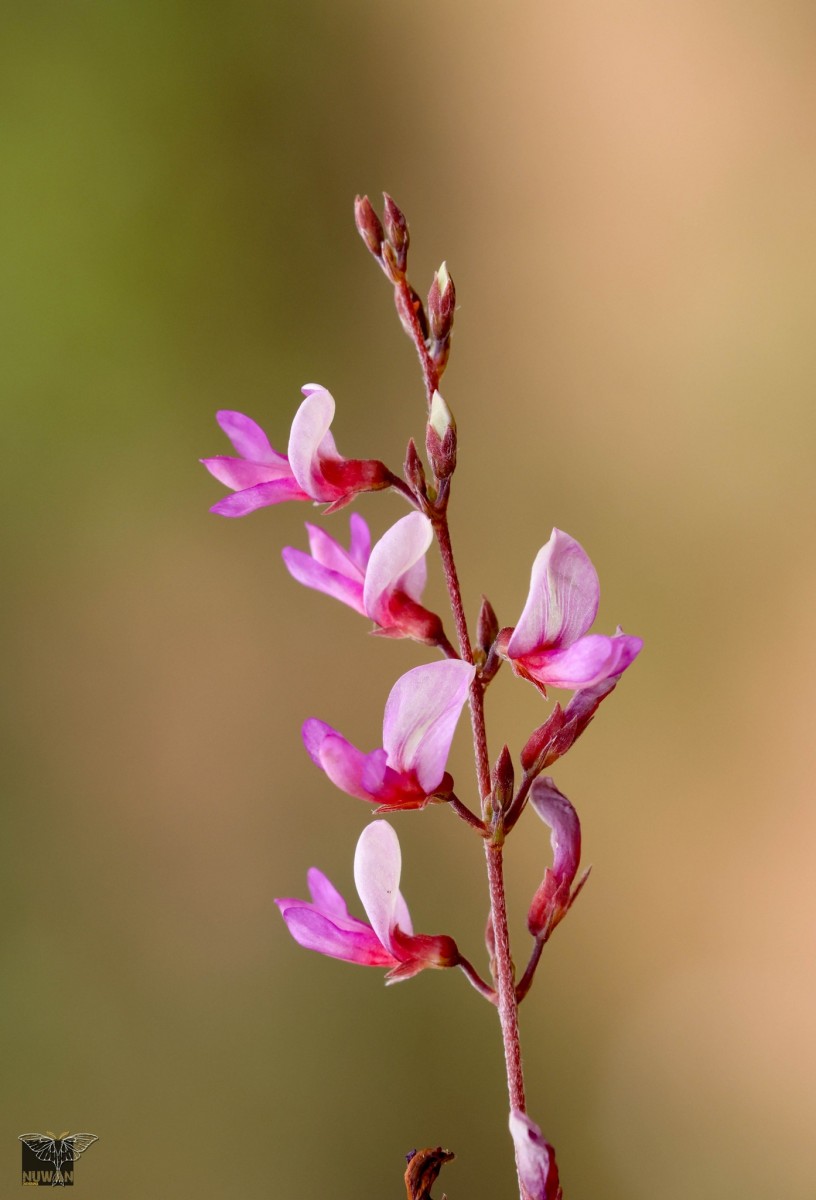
(440, 438)
(501, 780)
(396, 232)
(441, 304)
(487, 627)
(415, 472)
(369, 225)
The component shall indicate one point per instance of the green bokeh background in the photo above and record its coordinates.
(624, 195)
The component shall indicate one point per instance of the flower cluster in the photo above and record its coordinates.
(550, 646)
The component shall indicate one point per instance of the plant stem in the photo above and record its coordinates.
(505, 975)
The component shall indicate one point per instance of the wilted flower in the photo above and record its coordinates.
(535, 1157)
(388, 941)
(312, 470)
(555, 895)
(418, 726)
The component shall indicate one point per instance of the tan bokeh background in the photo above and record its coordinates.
(624, 195)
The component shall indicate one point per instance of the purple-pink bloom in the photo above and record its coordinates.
(312, 469)
(535, 1157)
(385, 583)
(418, 726)
(325, 924)
(555, 895)
(550, 645)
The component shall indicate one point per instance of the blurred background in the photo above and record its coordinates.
(624, 197)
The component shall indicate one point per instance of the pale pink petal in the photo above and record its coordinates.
(314, 931)
(563, 599)
(331, 554)
(377, 867)
(260, 496)
(535, 1157)
(420, 718)
(587, 662)
(311, 574)
(309, 428)
(248, 438)
(397, 562)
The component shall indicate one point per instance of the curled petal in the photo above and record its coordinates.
(535, 1157)
(420, 719)
(555, 895)
(563, 599)
(309, 440)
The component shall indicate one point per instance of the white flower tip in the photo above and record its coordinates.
(441, 418)
(443, 278)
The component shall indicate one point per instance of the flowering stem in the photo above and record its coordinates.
(407, 314)
(504, 973)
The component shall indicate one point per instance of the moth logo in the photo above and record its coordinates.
(48, 1160)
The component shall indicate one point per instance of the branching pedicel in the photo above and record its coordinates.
(550, 646)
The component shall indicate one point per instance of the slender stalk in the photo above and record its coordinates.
(526, 981)
(505, 976)
(473, 976)
(405, 308)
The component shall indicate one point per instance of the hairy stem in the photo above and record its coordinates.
(505, 976)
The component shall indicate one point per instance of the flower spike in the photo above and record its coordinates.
(325, 925)
(550, 645)
(312, 469)
(418, 726)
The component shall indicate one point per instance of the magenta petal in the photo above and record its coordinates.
(563, 599)
(535, 1157)
(260, 496)
(247, 437)
(325, 895)
(420, 719)
(360, 548)
(344, 764)
(587, 662)
(312, 575)
(377, 868)
(309, 427)
(397, 562)
(329, 553)
(314, 931)
(237, 473)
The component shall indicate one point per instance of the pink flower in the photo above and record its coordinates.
(549, 646)
(418, 726)
(385, 583)
(313, 470)
(535, 1157)
(388, 941)
(555, 896)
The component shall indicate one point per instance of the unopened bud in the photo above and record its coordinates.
(440, 438)
(414, 471)
(487, 627)
(502, 778)
(369, 225)
(396, 231)
(441, 304)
